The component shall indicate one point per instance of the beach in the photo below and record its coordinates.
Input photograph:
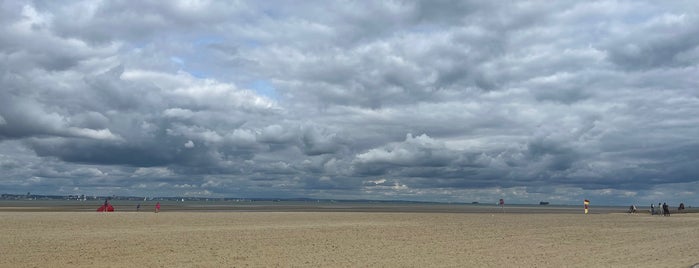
(346, 239)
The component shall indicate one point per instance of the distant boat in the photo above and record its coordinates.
(543, 203)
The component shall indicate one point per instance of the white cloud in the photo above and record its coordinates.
(195, 92)
(153, 172)
(102, 134)
(88, 172)
(198, 193)
(189, 144)
(413, 151)
(178, 113)
(211, 184)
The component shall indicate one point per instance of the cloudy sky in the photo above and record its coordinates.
(414, 100)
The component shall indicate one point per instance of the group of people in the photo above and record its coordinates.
(107, 207)
(157, 207)
(663, 209)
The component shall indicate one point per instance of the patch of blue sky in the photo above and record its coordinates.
(197, 73)
(250, 43)
(177, 60)
(208, 40)
(264, 88)
(184, 67)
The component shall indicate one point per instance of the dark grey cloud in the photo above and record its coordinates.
(446, 100)
(118, 20)
(667, 40)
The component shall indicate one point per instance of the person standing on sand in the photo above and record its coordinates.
(106, 204)
(666, 209)
(660, 209)
(652, 209)
(157, 207)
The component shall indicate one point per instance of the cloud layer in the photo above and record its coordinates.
(440, 101)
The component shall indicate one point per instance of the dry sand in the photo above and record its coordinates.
(345, 239)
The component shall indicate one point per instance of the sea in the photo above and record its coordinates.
(298, 206)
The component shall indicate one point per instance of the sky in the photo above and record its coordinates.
(446, 101)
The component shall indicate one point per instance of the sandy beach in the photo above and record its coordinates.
(346, 239)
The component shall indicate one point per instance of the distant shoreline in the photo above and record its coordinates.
(302, 206)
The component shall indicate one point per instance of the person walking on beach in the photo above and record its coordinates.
(157, 207)
(138, 207)
(666, 209)
(660, 209)
(106, 204)
(652, 209)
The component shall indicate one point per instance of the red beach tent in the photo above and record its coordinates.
(107, 208)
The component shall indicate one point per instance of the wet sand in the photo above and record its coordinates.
(346, 239)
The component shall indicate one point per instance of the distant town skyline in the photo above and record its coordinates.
(444, 101)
